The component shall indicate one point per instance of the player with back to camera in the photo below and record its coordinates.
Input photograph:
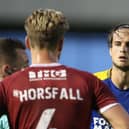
(49, 95)
(116, 78)
(12, 58)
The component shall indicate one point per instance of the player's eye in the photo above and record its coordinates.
(117, 43)
(127, 44)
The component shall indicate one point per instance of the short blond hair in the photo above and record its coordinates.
(46, 25)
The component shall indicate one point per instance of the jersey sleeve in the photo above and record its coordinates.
(103, 96)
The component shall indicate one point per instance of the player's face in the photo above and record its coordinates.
(120, 49)
(22, 61)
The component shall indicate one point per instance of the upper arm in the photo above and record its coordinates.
(117, 117)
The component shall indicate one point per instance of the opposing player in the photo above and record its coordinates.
(49, 95)
(116, 78)
(12, 58)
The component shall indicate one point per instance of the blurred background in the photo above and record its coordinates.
(85, 44)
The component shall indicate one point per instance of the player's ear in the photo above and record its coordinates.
(110, 51)
(59, 47)
(6, 70)
(27, 42)
(60, 44)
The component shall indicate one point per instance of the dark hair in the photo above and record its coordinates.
(8, 49)
(112, 31)
(45, 27)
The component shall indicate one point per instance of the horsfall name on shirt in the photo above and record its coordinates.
(48, 93)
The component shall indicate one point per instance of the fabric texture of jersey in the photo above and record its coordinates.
(98, 122)
(56, 97)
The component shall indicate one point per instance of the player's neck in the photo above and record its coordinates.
(120, 78)
(43, 57)
(1, 78)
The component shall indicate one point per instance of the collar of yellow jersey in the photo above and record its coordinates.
(105, 74)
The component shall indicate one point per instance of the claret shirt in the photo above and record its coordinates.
(52, 96)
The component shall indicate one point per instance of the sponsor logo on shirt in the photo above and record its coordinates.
(101, 123)
(47, 75)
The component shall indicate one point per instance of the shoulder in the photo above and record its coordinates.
(81, 75)
(103, 74)
(78, 72)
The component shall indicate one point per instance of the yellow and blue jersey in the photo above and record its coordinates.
(103, 75)
(97, 121)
